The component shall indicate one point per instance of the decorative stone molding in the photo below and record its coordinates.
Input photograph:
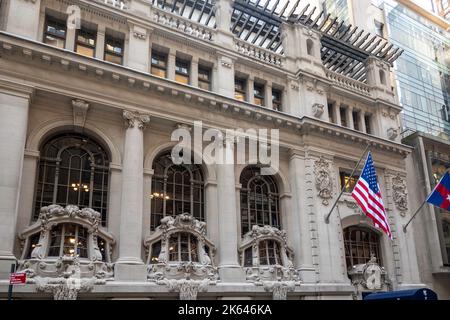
(202, 269)
(392, 133)
(70, 284)
(80, 109)
(279, 289)
(324, 183)
(257, 273)
(369, 276)
(136, 119)
(318, 110)
(188, 289)
(399, 194)
(139, 32)
(226, 62)
(41, 267)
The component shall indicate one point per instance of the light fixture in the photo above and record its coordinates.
(171, 249)
(72, 240)
(77, 186)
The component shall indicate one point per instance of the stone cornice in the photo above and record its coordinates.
(16, 48)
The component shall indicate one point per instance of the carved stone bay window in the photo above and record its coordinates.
(179, 250)
(266, 256)
(66, 246)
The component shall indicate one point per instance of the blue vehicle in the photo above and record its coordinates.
(414, 294)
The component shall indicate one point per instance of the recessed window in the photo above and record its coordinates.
(204, 78)
(55, 32)
(258, 91)
(259, 200)
(32, 243)
(344, 178)
(343, 112)
(269, 253)
(368, 120)
(68, 240)
(159, 64)
(176, 189)
(276, 99)
(183, 247)
(330, 112)
(85, 42)
(114, 49)
(73, 169)
(239, 89)
(360, 243)
(355, 115)
(156, 250)
(182, 71)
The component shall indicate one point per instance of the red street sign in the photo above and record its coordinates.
(17, 278)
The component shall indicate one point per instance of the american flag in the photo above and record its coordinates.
(367, 194)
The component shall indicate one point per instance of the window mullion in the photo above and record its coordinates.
(61, 243)
(55, 188)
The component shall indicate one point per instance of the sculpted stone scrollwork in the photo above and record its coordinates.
(133, 119)
(369, 276)
(399, 194)
(195, 273)
(392, 133)
(188, 289)
(318, 110)
(258, 271)
(80, 109)
(324, 183)
(279, 289)
(68, 274)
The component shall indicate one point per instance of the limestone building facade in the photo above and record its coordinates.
(92, 205)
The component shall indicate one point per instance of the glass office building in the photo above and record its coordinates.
(421, 71)
(337, 8)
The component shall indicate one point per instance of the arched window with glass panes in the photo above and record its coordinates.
(176, 189)
(259, 200)
(360, 243)
(73, 169)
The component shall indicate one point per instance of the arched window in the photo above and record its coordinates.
(176, 189)
(183, 247)
(73, 169)
(68, 240)
(360, 243)
(259, 200)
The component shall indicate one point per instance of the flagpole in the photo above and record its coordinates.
(327, 218)
(425, 201)
(414, 215)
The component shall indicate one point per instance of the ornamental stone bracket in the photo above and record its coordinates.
(323, 181)
(370, 277)
(69, 285)
(164, 268)
(279, 289)
(80, 109)
(399, 194)
(392, 133)
(188, 289)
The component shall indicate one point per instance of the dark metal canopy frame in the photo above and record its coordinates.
(345, 48)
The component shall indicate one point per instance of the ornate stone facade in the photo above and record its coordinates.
(400, 194)
(324, 182)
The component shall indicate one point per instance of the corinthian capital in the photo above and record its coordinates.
(133, 119)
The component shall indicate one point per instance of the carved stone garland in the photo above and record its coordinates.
(324, 184)
(399, 194)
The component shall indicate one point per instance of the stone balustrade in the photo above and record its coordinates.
(349, 83)
(259, 53)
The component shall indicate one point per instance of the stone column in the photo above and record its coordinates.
(139, 48)
(229, 268)
(70, 39)
(193, 72)
(362, 121)
(100, 43)
(25, 24)
(299, 228)
(268, 95)
(224, 76)
(350, 117)
(14, 107)
(129, 266)
(337, 113)
(250, 90)
(171, 59)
